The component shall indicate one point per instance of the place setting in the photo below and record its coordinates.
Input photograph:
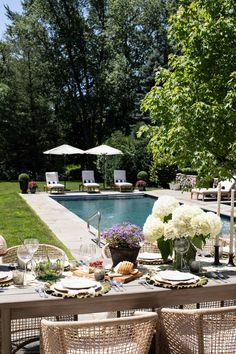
(6, 279)
(152, 258)
(175, 279)
(77, 287)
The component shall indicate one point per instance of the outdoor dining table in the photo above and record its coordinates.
(16, 303)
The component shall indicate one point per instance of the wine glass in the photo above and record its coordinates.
(32, 244)
(181, 246)
(86, 252)
(24, 256)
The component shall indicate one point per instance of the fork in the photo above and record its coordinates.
(119, 285)
(116, 286)
(41, 291)
(145, 284)
(38, 291)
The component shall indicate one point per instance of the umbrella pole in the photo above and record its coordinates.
(105, 171)
(64, 158)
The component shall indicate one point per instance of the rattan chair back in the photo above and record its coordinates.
(43, 250)
(200, 331)
(127, 335)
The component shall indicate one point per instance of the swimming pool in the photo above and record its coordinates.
(115, 210)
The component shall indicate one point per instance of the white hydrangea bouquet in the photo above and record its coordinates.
(170, 220)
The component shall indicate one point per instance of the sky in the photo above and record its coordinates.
(15, 5)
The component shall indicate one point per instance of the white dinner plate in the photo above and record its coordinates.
(79, 283)
(176, 282)
(7, 277)
(149, 256)
(59, 287)
(4, 275)
(175, 275)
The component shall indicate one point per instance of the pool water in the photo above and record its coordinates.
(118, 210)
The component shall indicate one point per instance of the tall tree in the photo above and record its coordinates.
(75, 71)
(193, 103)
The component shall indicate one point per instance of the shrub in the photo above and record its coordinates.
(23, 177)
(73, 171)
(142, 175)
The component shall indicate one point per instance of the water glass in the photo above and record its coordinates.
(18, 276)
(181, 246)
(86, 253)
(24, 256)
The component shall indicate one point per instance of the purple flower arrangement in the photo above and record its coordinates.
(124, 235)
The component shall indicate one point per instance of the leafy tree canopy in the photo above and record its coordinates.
(193, 103)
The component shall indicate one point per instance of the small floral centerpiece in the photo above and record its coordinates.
(170, 221)
(47, 269)
(123, 241)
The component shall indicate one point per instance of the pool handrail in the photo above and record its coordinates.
(98, 214)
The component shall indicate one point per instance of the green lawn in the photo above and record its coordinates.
(18, 221)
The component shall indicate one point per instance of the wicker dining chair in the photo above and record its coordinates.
(43, 250)
(27, 330)
(201, 331)
(127, 335)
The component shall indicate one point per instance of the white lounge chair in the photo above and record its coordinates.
(226, 187)
(88, 181)
(52, 183)
(120, 181)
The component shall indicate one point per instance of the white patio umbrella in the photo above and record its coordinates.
(64, 150)
(104, 150)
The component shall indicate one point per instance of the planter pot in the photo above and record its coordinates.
(123, 254)
(141, 189)
(33, 190)
(24, 186)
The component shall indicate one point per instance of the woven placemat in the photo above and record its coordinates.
(105, 287)
(6, 283)
(151, 279)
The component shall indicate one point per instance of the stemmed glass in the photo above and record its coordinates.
(32, 244)
(87, 252)
(181, 246)
(24, 256)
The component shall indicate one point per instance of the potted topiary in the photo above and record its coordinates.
(142, 175)
(141, 183)
(23, 179)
